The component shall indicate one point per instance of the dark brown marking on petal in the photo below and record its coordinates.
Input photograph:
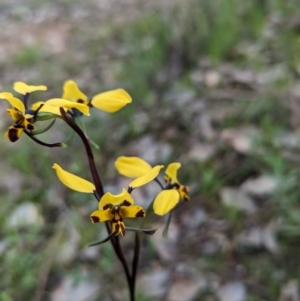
(122, 226)
(107, 206)
(95, 219)
(80, 101)
(30, 127)
(176, 186)
(167, 179)
(185, 189)
(125, 203)
(20, 121)
(140, 213)
(13, 134)
(117, 229)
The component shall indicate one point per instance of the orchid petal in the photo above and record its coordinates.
(59, 102)
(132, 211)
(101, 216)
(117, 199)
(111, 101)
(165, 201)
(73, 93)
(72, 181)
(132, 167)
(23, 88)
(146, 178)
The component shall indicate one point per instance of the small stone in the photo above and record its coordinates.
(186, 289)
(232, 291)
(290, 291)
(250, 238)
(195, 219)
(26, 214)
(201, 151)
(84, 289)
(234, 197)
(212, 78)
(260, 237)
(154, 285)
(259, 186)
(269, 239)
(241, 139)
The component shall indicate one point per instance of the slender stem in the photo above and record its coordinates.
(58, 144)
(69, 120)
(100, 192)
(135, 261)
(25, 100)
(159, 183)
(129, 278)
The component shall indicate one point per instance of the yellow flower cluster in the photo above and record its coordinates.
(72, 100)
(112, 208)
(168, 198)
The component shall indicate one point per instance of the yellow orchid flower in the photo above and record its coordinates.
(22, 117)
(115, 208)
(167, 199)
(18, 114)
(110, 101)
(171, 178)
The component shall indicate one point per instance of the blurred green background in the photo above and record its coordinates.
(216, 86)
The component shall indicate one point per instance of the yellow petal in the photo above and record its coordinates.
(171, 172)
(16, 103)
(14, 133)
(111, 101)
(132, 211)
(59, 102)
(5, 95)
(148, 177)
(165, 201)
(117, 199)
(46, 108)
(132, 167)
(101, 216)
(72, 92)
(23, 88)
(37, 104)
(72, 181)
(14, 114)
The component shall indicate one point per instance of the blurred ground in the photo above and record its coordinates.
(215, 86)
